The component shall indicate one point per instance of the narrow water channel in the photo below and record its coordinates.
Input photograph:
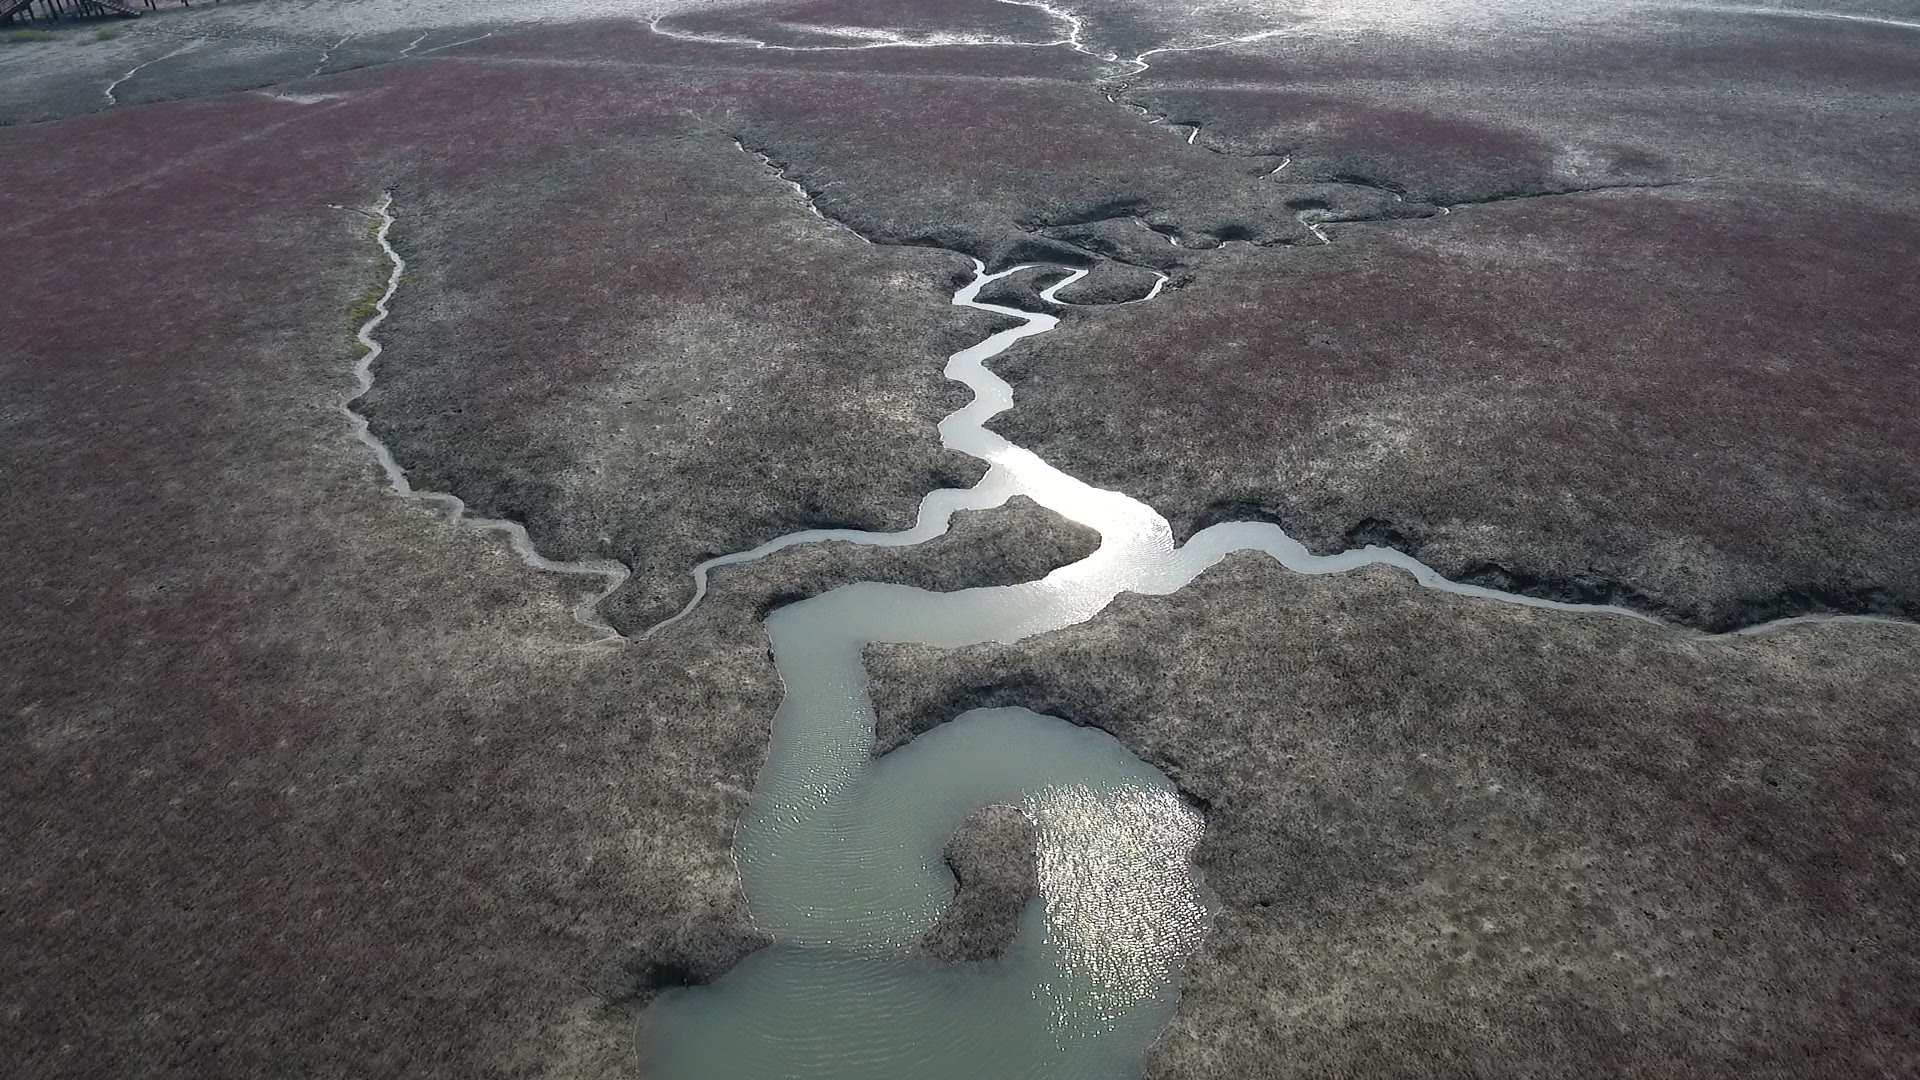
(841, 853)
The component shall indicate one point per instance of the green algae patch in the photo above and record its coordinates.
(368, 306)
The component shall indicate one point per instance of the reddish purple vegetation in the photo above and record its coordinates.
(1432, 154)
(1414, 137)
(908, 17)
(1728, 373)
(278, 814)
(221, 168)
(213, 873)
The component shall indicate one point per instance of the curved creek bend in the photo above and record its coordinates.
(841, 854)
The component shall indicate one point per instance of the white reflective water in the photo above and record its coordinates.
(851, 874)
(841, 854)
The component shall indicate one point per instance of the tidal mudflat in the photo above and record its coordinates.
(1413, 577)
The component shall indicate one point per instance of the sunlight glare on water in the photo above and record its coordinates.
(841, 854)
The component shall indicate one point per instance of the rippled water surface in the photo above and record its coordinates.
(841, 854)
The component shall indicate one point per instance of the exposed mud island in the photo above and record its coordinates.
(975, 538)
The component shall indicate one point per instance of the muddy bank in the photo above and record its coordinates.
(1017, 542)
(657, 355)
(1449, 830)
(1683, 404)
(992, 859)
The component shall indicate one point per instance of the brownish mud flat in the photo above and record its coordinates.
(1452, 837)
(1703, 407)
(1668, 363)
(582, 349)
(305, 780)
(301, 780)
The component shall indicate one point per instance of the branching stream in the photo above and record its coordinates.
(610, 573)
(840, 853)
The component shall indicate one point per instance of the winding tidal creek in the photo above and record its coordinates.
(841, 854)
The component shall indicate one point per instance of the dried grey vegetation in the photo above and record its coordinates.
(992, 859)
(305, 781)
(679, 360)
(1460, 838)
(1649, 356)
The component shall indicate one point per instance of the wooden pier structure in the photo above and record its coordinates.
(27, 11)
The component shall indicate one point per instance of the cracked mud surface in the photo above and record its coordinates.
(306, 782)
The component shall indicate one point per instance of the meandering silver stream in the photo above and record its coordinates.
(610, 573)
(840, 853)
